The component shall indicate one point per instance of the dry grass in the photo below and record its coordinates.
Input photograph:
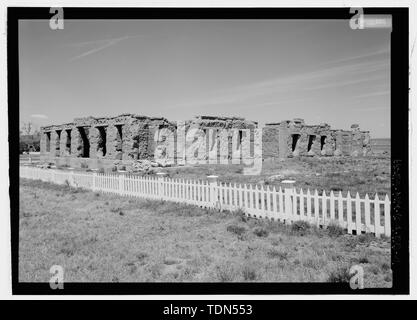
(105, 238)
(363, 175)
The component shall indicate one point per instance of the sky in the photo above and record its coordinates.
(263, 70)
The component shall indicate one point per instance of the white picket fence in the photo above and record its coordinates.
(354, 214)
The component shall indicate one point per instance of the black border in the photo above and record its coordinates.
(399, 149)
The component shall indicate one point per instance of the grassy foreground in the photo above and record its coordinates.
(105, 238)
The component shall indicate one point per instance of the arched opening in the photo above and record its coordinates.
(85, 143)
(101, 145)
(68, 142)
(295, 138)
(311, 140)
(48, 141)
(58, 143)
(119, 146)
(322, 142)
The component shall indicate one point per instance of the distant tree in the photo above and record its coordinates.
(29, 128)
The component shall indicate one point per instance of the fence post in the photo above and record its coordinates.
(387, 216)
(161, 176)
(72, 182)
(121, 183)
(289, 198)
(214, 199)
(94, 181)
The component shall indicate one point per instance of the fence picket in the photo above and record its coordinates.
(274, 204)
(324, 208)
(316, 208)
(268, 202)
(262, 190)
(377, 217)
(332, 206)
(387, 216)
(358, 214)
(367, 214)
(265, 201)
(302, 216)
(349, 213)
(340, 209)
(309, 215)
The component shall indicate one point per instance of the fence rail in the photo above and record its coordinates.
(357, 215)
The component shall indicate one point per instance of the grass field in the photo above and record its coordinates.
(105, 238)
(363, 175)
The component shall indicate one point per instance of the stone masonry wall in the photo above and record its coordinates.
(128, 138)
(293, 138)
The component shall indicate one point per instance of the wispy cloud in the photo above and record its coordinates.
(300, 85)
(39, 116)
(375, 108)
(345, 83)
(374, 54)
(100, 45)
(326, 75)
(372, 94)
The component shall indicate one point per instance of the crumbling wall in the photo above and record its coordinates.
(327, 141)
(93, 138)
(64, 149)
(219, 139)
(366, 143)
(76, 143)
(207, 139)
(270, 140)
(293, 138)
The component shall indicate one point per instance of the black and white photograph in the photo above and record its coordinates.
(231, 150)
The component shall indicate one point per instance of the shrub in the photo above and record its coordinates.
(385, 266)
(365, 238)
(236, 229)
(334, 230)
(314, 262)
(300, 227)
(240, 215)
(363, 258)
(249, 273)
(225, 273)
(340, 274)
(141, 255)
(84, 165)
(275, 253)
(260, 232)
(374, 269)
(117, 210)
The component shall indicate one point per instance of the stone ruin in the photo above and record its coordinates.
(128, 139)
(292, 138)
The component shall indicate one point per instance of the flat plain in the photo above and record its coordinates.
(107, 238)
